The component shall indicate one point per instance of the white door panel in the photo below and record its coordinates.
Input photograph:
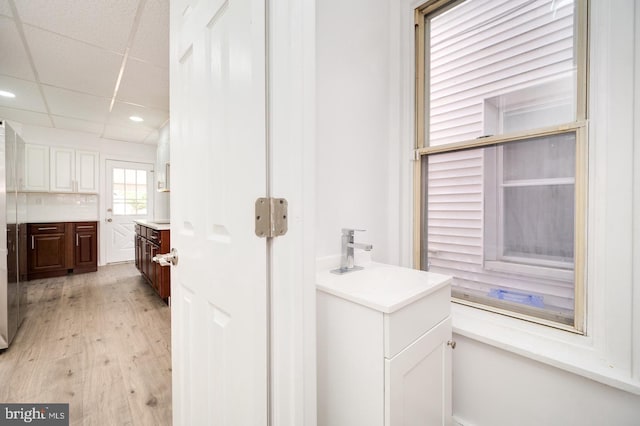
(219, 317)
(129, 187)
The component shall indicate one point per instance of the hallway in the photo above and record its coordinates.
(99, 341)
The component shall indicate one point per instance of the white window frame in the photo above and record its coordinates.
(609, 352)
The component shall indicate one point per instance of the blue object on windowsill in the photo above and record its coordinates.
(513, 296)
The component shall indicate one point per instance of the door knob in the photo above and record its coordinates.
(109, 220)
(167, 258)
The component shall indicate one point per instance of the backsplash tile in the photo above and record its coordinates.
(45, 207)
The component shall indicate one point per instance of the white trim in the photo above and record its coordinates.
(562, 349)
(635, 330)
(529, 270)
(291, 57)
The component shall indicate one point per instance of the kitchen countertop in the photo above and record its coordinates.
(162, 225)
(63, 221)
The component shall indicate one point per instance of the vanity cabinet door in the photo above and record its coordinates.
(418, 381)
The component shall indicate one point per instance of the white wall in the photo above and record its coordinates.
(352, 123)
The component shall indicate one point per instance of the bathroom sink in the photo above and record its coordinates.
(161, 222)
(383, 287)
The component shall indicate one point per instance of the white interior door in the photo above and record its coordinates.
(219, 297)
(130, 189)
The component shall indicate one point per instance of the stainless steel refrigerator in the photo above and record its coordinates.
(13, 240)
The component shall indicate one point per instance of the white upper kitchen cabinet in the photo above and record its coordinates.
(74, 171)
(36, 168)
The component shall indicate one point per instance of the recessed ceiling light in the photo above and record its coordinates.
(7, 94)
(136, 119)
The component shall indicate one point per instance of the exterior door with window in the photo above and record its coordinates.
(130, 189)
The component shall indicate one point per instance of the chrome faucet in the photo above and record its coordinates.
(348, 244)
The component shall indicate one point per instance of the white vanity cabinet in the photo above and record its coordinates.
(382, 347)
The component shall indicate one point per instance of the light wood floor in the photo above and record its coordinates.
(99, 341)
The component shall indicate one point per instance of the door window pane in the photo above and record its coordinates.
(129, 192)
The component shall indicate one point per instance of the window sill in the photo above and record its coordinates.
(567, 351)
(529, 270)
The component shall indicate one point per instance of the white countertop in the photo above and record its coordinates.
(385, 288)
(158, 226)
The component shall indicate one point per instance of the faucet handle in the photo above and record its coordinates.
(351, 231)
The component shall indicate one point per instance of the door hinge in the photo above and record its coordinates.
(271, 217)
(416, 155)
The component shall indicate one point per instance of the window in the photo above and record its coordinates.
(501, 135)
(129, 192)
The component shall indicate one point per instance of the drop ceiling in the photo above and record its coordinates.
(86, 65)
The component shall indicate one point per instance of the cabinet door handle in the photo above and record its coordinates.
(32, 243)
(85, 227)
(77, 241)
(51, 228)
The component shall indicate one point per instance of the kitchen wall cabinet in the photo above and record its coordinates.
(73, 170)
(148, 243)
(384, 357)
(36, 168)
(59, 248)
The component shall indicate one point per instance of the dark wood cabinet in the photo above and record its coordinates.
(46, 254)
(56, 249)
(150, 242)
(86, 247)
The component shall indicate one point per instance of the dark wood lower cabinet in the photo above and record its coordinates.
(86, 247)
(56, 249)
(150, 242)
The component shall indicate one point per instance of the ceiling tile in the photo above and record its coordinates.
(70, 64)
(4, 8)
(151, 42)
(15, 61)
(78, 125)
(28, 96)
(103, 23)
(66, 103)
(25, 117)
(127, 134)
(145, 84)
(121, 112)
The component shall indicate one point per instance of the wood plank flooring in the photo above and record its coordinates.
(100, 341)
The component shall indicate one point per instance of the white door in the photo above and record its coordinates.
(219, 285)
(130, 189)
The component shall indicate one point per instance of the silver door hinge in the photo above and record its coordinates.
(416, 155)
(271, 217)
